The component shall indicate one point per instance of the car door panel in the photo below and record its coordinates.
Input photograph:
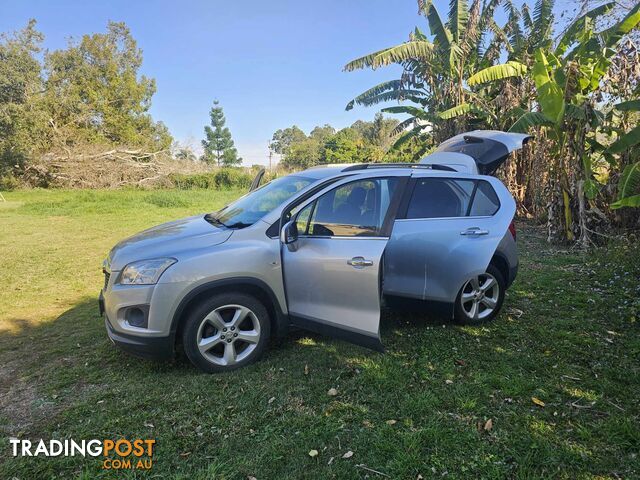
(323, 287)
(332, 271)
(430, 259)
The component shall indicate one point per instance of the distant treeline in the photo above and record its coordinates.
(360, 143)
(89, 93)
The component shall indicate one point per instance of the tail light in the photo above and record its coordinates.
(512, 229)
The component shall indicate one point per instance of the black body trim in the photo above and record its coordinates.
(394, 204)
(156, 348)
(281, 319)
(329, 330)
(404, 302)
(513, 273)
(406, 198)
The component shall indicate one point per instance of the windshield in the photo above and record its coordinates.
(249, 209)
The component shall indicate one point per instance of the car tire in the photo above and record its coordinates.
(226, 332)
(480, 298)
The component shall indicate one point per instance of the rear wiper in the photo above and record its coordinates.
(211, 218)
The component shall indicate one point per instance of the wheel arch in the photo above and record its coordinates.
(500, 262)
(249, 285)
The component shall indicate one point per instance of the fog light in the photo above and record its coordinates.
(136, 317)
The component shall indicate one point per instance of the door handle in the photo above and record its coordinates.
(474, 231)
(360, 262)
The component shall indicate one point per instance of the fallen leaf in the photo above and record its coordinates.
(149, 424)
(537, 401)
(348, 454)
(460, 362)
(391, 422)
(332, 392)
(271, 399)
(313, 453)
(251, 477)
(488, 425)
(306, 369)
(367, 423)
(185, 454)
(448, 382)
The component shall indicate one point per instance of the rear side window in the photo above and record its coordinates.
(447, 198)
(485, 201)
(440, 197)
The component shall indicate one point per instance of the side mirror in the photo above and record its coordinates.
(289, 233)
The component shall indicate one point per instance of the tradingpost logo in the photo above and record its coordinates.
(121, 454)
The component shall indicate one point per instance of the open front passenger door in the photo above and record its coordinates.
(332, 254)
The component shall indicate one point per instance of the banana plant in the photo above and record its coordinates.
(566, 79)
(434, 70)
(629, 183)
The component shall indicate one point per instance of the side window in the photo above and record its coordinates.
(354, 209)
(440, 198)
(302, 219)
(485, 202)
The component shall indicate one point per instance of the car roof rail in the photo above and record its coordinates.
(367, 166)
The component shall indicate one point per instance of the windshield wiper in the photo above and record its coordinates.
(211, 218)
(239, 225)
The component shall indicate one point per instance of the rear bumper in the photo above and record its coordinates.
(513, 273)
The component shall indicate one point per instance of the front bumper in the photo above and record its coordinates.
(157, 348)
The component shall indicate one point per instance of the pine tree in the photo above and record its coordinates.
(218, 145)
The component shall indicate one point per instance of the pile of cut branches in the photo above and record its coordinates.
(106, 168)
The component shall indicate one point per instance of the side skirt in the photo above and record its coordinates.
(331, 330)
(410, 304)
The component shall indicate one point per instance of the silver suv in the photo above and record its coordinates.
(322, 250)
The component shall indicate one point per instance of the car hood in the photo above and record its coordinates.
(167, 240)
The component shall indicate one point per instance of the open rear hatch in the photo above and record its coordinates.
(485, 150)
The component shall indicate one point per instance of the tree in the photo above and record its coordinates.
(218, 144)
(569, 89)
(283, 139)
(434, 72)
(303, 154)
(94, 93)
(22, 117)
(578, 93)
(322, 133)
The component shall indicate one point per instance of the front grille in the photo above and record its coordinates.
(107, 275)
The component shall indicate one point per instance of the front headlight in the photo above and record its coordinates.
(145, 272)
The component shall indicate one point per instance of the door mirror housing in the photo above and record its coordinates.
(289, 233)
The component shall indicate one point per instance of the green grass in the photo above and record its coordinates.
(568, 335)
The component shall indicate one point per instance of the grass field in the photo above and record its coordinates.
(567, 337)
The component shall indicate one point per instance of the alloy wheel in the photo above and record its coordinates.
(479, 297)
(228, 335)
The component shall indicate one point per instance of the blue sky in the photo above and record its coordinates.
(271, 64)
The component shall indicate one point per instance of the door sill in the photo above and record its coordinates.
(330, 330)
